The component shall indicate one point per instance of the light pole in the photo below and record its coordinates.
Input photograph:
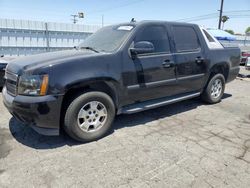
(75, 16)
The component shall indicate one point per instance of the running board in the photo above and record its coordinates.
(155, 103)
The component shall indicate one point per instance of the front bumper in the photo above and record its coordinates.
(41, 113)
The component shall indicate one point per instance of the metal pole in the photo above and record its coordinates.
(102, 20)
(221, 11)
(74, 18)
(47, 36)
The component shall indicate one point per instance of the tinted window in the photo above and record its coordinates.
(185, 38)
(156, 35)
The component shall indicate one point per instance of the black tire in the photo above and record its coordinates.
(71, 116)
(206, 96)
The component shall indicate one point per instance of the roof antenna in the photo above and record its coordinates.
(133, 20)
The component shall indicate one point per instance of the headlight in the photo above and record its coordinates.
(36, 85)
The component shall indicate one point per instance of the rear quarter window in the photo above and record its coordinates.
(209, 38)
(185, 39)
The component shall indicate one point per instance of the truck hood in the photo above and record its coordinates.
(19, 65)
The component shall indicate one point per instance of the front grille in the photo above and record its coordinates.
(11, 83)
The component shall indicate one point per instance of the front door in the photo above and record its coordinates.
(155, 71)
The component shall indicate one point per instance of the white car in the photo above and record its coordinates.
(248, 63)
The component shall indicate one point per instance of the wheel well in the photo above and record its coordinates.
(96, 86)
(220, 68)
(72, 93)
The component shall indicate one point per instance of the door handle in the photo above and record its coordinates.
(199, 60)
(168, 63)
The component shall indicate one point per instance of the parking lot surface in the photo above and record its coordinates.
(188, 144)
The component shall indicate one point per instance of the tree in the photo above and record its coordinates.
(224, 19)
(229, 31)
(247, 30)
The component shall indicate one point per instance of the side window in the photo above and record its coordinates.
(157, 35)
(185, 39)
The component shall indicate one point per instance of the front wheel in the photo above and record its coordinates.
(214, 90)
(89, 116)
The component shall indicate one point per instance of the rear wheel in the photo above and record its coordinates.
(214, 90)
(89, 116)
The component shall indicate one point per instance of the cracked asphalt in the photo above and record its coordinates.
(188, 144)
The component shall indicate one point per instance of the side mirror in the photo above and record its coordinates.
(141, 47)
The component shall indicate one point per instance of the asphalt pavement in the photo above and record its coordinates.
(188, 144)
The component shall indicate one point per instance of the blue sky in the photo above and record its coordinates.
(116, 11)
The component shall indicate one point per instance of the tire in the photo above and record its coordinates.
(209, 95)
(89, 116)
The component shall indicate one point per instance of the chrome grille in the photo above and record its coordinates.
(11, 83)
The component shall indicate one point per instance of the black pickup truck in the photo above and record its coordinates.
(120, 69)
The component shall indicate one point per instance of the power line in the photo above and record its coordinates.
(213, 15)
(198, 17)
(115, 7)
(232, 11)
(202, 19)
(240, 16)
(230, 16)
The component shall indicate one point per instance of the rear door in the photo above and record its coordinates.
(189, 57)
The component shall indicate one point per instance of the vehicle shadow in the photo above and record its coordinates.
(27, 136)
(158, 113)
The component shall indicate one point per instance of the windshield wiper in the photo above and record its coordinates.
(89, 48)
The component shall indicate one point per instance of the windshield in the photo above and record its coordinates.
(107, 39)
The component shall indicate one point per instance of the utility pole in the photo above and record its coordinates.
(221, 11)
(102, 20)
(74, 18)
